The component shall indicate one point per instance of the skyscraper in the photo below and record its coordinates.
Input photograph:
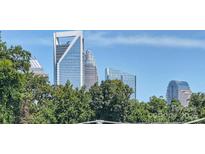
(90, 70)
(129, 79)
(68, 58)
(36, 68)
(179, 90)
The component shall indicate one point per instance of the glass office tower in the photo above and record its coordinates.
(179, 90)
(129, 79)
(90, 70)
(68, 58)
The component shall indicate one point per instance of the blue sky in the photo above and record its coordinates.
(156, 57)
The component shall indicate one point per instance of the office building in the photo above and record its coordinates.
(68, 58)
(36, 68)
(126, 78)
(180, 91)
(90, 70)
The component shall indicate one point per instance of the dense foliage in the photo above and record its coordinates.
(28, 98)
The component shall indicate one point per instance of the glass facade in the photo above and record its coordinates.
(69, 67)
(179, 90)
(69, 59)
(129, 79)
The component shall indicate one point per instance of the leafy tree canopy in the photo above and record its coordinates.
(29, 98)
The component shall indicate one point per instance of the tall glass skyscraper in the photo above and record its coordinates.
(179, 90)
(68, 58)
(71, 63)
(126, 78)
(90, 70)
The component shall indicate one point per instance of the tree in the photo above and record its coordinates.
(175, 110)
(10, 92)
(72, 105)
(13, 62)
(28, 98)
(38, 106)
(188, 114)
(138, 112)
(157, 105)
(16, 54)
(158, 109)
(110, 100)
(197, 102)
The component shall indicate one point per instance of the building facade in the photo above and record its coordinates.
(129, 79)
(71, 63)
(36, 68)
(180, 91)
(90, 70)
(68, 58)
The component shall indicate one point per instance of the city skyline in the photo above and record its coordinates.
(156, 57)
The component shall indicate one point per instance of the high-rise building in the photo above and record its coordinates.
(180, 91)
(68, 58)
(71, 63)
(126, 78)
(90, 70)
(36, 68)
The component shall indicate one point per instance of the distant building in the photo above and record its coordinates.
(180, 91)
(129, 79)
(68, 58)
(90, 70)
(36, 68)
